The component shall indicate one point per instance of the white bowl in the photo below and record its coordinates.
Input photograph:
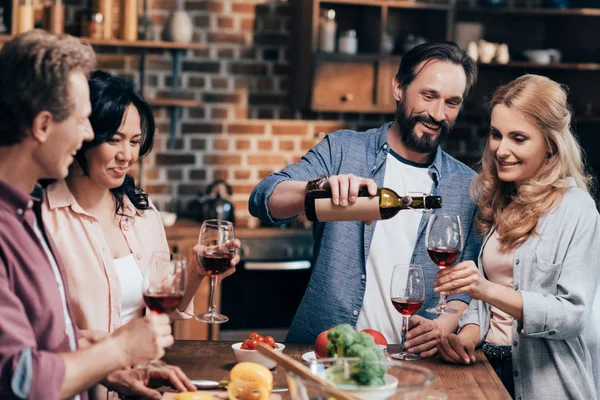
(254, 356)
(168, 218)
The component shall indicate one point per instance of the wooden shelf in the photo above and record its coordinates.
(173, 102)
(586, 12)
(138, 44)
(583, 119)
(356, 57)
(144, 44)
(392, 4)
(533, 65)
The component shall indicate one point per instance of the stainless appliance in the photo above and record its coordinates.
(269, 283)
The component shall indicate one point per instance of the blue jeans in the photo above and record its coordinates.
(500, 358)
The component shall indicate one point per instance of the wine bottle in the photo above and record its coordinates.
(387, 203)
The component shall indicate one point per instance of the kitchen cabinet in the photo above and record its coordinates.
(358, 82)
(361, 82)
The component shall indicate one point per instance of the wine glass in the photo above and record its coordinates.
(217, 238)
(407, 291)
(164, 285)
(444, 240)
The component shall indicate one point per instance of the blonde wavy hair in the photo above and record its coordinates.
(515, 213)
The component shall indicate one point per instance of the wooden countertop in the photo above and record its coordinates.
(214, 360)
(191, 228)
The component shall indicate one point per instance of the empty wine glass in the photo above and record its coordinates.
(164, 284)
(444, 238)
(407, 292)
(217, 238)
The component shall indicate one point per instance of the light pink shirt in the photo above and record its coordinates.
(93, 282)
(498, 267)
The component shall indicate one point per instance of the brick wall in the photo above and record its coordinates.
(245, 129)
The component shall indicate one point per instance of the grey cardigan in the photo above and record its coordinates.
(556, 348)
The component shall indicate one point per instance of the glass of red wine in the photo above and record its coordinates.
(217, 240)
(444, 238)
(164, 285)
(407, 291)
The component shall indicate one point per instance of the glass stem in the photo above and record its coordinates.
(442, 303)
(213, 286)
(405, 320)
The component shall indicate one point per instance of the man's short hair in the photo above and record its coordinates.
(34, 71)
(442, 51)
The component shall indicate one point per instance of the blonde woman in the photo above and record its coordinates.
(536, 308)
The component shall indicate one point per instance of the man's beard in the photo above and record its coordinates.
(425, 144)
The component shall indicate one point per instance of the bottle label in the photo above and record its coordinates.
(364, 209)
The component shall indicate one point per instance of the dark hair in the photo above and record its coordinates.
(34, 76)
(443, 51)
(110, 96)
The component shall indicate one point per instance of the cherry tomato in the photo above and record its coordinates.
(245, 344)
(260, 339)
(269, 341)
(253, 335)
(252, 344)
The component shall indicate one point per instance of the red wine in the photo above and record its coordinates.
(161, 303)
(216, 265)
(443, 257)
(406, 307)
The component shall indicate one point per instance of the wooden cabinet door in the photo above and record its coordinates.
(344, 86)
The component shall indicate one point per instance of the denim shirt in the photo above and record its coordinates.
(337, 285)
(556, 348)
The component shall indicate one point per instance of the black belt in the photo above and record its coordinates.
(496, 352)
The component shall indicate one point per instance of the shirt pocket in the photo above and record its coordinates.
(545, 275)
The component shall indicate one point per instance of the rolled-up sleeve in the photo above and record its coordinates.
(25, 371)
(563, 315)
(318, 161)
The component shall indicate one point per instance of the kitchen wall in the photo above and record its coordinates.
(245, 130)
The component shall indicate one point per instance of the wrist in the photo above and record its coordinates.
(317, 182)
(116, 348)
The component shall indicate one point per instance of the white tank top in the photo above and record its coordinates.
(131, 279)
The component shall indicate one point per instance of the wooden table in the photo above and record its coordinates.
(214, 360)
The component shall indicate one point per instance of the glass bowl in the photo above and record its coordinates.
(398, 380)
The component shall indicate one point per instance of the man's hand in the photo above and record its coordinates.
(135, 381)
(457, 349)
(423, 336)
(344, 188)
(143, 339)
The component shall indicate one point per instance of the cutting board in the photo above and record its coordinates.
(219, 394)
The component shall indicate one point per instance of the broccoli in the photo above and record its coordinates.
(344, 341)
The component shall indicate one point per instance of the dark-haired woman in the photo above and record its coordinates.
(105, 228)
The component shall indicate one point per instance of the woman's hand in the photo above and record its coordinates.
(457, 349)
(200, 249)
(463, 277)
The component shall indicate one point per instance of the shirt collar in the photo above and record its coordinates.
(59, 195)
(382, 144)
(14, 198)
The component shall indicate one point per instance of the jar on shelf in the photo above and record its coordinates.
(327, 32)
(129, 20)
(54, 17)
(24, 16)
(105, 8)
(348, 43)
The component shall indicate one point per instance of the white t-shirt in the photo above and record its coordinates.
(393, 243)
(131, 279)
